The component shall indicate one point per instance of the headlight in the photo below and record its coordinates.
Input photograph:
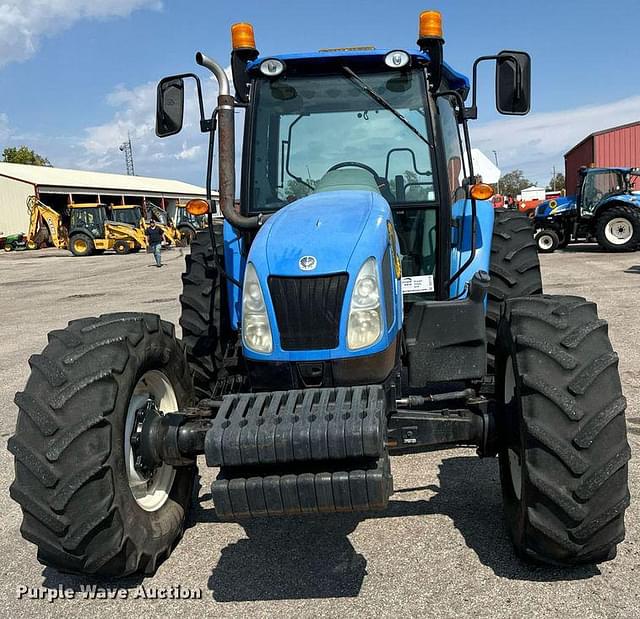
(365, 318)
(256, 331)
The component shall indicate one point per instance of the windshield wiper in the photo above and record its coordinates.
(384, 103)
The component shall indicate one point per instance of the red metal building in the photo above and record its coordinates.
(615, 147)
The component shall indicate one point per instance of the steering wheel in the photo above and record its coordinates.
(382, 183)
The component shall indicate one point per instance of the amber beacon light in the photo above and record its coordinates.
(431, 25)
(197, 207)
(242, 36)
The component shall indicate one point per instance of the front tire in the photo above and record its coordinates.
(121, 248)
(547, 241)
(82, 506)
(563, 443)
(514, 269)
(618, 228)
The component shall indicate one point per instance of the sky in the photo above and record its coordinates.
(78, 76)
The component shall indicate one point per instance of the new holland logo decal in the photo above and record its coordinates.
(307, 263)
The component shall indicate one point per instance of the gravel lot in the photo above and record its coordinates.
(440, 550)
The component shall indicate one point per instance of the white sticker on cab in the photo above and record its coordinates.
(417, 283)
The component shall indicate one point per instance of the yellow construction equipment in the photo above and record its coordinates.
(171, 234)
(188, 224)
(91, 231)
(45, 226)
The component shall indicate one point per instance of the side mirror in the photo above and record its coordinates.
(513, 83)
(170, 107)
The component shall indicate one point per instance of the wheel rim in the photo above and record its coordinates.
(618, 231)
(545, 241)
(152, 493)
(515, 462)
(80, 245)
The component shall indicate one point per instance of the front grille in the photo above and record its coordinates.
(308, 310)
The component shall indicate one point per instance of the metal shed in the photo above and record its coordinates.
(614, 147)
(58, 187)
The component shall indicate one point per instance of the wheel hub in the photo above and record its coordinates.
(150, 479)
(619, 231)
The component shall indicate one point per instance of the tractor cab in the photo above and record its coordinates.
(88, 218)
(596, 185)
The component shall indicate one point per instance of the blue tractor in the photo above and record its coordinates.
(363, 301)
(605, 209)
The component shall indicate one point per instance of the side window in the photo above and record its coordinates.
(452, 147)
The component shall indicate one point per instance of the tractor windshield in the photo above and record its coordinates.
(127, 215)
(600, 184)
(90, 219)
(305, 126)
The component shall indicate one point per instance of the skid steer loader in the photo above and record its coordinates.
(364, 302)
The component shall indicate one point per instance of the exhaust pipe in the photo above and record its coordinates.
(227, 148)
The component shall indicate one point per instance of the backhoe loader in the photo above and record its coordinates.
(92, 232)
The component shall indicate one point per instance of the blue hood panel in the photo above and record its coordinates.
(320, 225)
(341, 230)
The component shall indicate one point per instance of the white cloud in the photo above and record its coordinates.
(23, 23)
(5, 130)
(536, 142)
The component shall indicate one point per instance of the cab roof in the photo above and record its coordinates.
(366, 57)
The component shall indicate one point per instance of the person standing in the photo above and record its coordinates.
(154, 235)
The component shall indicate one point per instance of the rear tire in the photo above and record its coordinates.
(514, 269)
(618, 228)
(72, 478)
(547, 241)
(563, 443)
(81, 245)
(206, 330)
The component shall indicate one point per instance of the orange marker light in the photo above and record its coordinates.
(481, 191)
(242, 36)
(431, 25)
(197, 207)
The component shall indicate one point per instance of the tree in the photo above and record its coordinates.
(557, 183)
(23, 154)
(296, 189)
(512, 183)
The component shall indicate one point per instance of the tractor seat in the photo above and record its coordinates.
(353, 179)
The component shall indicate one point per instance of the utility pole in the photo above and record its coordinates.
(127, 149)
(553, 179)
(495, 155)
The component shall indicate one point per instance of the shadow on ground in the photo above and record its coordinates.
(313, 557)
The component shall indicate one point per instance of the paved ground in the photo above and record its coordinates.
(441, 549)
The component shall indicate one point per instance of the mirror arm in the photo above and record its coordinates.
(471, 113)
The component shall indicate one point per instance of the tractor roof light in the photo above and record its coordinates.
(431, 25)
(271, 67)
(397, 59)
(197, 207)
(242, 36)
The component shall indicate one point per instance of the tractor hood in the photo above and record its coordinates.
(555, 206)
(320, 233)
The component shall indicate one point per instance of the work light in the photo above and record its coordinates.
(271, 67)
(397, 59)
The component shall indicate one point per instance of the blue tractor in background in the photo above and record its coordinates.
(364, 301)
(605, 209)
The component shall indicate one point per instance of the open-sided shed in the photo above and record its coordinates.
(58, 187)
